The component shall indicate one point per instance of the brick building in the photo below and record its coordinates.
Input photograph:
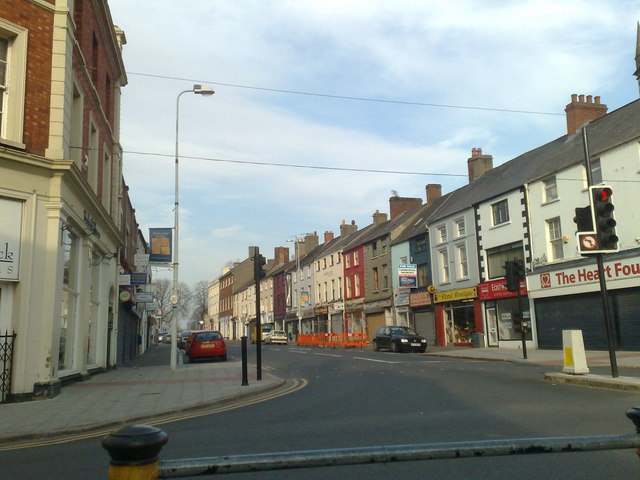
(61, 188)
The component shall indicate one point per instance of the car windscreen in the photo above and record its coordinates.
(402, 331)
(207, 337)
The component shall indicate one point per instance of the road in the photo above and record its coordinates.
(363, 398)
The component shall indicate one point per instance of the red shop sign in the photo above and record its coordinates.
(496, 289)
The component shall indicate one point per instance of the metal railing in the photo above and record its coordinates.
(6, 364)
(134, 451)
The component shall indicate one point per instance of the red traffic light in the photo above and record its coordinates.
(602, 194)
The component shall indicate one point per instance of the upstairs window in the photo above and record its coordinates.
(500, 212)
(13, 68)
(442, 234)
(550, 189)
(460, 230)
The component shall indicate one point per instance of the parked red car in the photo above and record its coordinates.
(206, 344)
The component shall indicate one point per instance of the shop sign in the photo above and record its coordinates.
(125, 295)
(453, 295)
(497, 289)
(419, 299)
(10, 239)
(144, 297)
(402, 297)
(322, 310)
(627, 269)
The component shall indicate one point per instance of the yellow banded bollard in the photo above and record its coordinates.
(134, 452)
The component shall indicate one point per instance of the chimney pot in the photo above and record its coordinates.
(579, 113)
(581, 98)
(574, 97)
(589, 99)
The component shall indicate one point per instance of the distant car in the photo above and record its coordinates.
(166, 338)
(205, 344)
(276, 336)
(399, 339)
(182, 339)
(161, 336)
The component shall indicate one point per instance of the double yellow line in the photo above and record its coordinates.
(291, 386)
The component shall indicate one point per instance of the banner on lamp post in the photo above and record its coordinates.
(161, 241)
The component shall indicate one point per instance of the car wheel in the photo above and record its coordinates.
(394, 347)
(223, 357)
(423, 349)
(376, 348)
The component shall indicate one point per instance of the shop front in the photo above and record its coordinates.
(354, 320)
(376, 316)
(504, 313)
(424, 319)
(336, 317)
(458, 316)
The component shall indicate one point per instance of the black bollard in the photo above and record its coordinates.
(134, 451)
(245, 375)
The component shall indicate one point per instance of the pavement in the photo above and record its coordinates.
(148, 389)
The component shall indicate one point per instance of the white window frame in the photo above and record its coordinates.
(495, 207)
(460, 228)
(442, 233)
(463, 261)
(556, 242)
(550, 187)
(11, 133)
(445, 276)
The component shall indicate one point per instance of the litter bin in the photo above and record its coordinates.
(477, 340)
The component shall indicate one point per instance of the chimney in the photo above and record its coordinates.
(581, 111)
(434, 190)
(348, 229)
(309, 243)
(379, 218)
(328, 236)
(399, 205)
(281, 255)
(478, 164)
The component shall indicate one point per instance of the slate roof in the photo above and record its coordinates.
(616, 128)
(419, 225)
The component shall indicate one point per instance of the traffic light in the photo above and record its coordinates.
(604, 222)
(258, 267)
(514, 274)
(584, 219)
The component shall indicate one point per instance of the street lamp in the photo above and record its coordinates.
(198, 90)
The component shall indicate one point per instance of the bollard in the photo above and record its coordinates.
(134, 452)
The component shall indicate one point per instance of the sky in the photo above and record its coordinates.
(324, 109)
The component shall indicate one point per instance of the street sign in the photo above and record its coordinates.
(174, 299)
(144, 297)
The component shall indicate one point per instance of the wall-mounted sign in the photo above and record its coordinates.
(453, 295)
(125, 295)
(141, 259)
(497, 289)
(144, 297)
(138, 278)
(408, 275)
(10, 238)
(160, 240)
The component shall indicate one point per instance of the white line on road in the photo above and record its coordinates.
(374, 360)
(328, 355)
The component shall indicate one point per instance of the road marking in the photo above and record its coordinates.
(374, 360)
(328, 355)
(293, 385)
(298, 351)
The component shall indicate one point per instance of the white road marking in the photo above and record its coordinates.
(328, 355)
(374, 360)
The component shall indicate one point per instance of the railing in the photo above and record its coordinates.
(332, 339)
(6, 364)
(134, 453)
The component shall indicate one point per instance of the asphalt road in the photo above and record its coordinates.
(362, 398)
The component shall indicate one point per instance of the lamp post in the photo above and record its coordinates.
(198, 90)
(298, 241)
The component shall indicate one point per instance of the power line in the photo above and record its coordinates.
(340, 169)
(346, 97)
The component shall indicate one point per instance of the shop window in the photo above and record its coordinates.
(460, 323)
(555, 239)
(69, 300)
(496, 258)
(500, 212)
(13, 61)
(550, 189)
(509, 322)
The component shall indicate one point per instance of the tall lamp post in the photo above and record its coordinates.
(198, 90)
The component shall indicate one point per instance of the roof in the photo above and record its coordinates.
(609, 131)
(419, 225)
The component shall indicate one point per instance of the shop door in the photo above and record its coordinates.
(492, 327)
(374, 320)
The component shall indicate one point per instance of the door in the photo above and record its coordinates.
(492, 326)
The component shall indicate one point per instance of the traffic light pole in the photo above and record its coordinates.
(601, 272)
(523, 329)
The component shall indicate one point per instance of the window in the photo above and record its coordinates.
(421, 244)
(596, 172)
(318, 266)
(70, 294)
(348, 281)
(460, 230)
(385, 277)
(376, 280)
(463, 270)
(444, 266)
(356, 258)
(496, 258)
(500, 212)
(347, 260)
(550, 189)
(356, 286)
(340, 286)
(374, 249)
(384, 246)
(106, 182)
(324, 262)
(13, 67)
(442, 234)
(331, 260)
(555, 239)
(423, 275)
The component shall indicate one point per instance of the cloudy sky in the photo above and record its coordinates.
(317, 102)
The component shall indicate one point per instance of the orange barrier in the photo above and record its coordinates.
(332, 339)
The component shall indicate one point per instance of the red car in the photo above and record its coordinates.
(206, 344)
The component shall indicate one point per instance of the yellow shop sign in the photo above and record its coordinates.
(453, 295)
